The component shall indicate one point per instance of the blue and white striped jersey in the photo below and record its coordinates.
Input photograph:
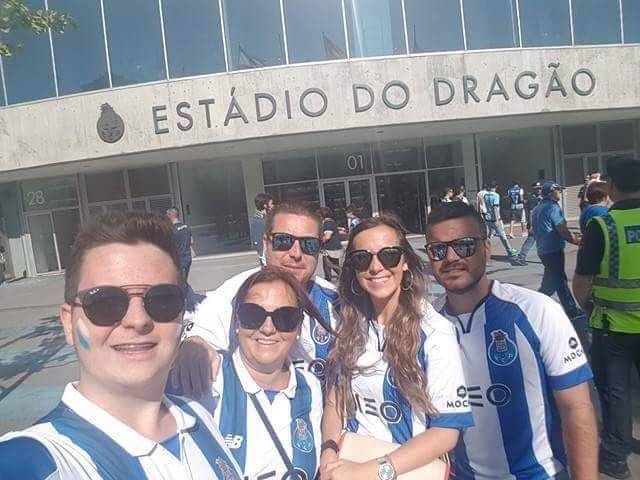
(518, 347)
(294, 413)
(212, 321)
(383, 413)
(80, 441)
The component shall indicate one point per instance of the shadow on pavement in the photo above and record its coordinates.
(45, 340)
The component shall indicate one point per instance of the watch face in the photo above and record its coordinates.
(386, 471)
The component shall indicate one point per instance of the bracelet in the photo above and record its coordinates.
(329, 445)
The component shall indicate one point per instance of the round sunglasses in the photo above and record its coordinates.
(285, 319)
(283, 242)
(389, 257)
(464, 247)
(106, 305)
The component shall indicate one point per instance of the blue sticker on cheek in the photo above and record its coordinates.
(84, 342)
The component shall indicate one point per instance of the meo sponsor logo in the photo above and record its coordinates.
(461, 401)
(576, 353)
(233, 442)
(497, 395)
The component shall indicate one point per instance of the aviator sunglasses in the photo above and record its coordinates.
(283, 242)
(389, 257)
(285, 319)
(107, 305)
(464, 247)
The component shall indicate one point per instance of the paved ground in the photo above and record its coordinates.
(35, 363)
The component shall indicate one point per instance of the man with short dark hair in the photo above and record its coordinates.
(184, 241)
(527, 374)
(533, 200)
(551, 232)
(494, 220)
(607, 283)
(263, 203)
(123, 315)
(292, 241)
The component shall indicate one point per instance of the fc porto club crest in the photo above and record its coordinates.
(303, 440)
(320, 335)
(502, 351)
(110, 124)
(225, 470)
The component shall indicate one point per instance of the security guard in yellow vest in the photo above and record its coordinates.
(607, 283)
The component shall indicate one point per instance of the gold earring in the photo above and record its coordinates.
(353, 290)
(410, 285)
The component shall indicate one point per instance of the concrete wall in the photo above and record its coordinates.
(67, 128)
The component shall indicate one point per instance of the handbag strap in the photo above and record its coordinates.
(293, 474)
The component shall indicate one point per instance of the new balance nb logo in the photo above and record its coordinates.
(233, 442)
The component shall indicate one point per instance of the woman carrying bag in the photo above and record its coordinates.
(268, 411)
(394, 373)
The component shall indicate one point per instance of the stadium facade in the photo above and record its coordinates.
(204, 103)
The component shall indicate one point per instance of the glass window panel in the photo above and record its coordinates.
(445, 155)
(398, 156)
(81, 63)
(105, 186)
(375, 27)
(28, 74)
(616, 136)
(145, 182)
(48, 193)
(194, 37)
(521, 156)
(289, 168)
(607, 158)
(135, 41)
(574, 171)
(490, 23)
(215, 206)
(296, 192)
(596, 22)
(43, 243)
(344, 161)
(66, 224)
(404, 195)
(434, 25)
(2, 103)
(545, 22)
(579, 139)
(631, 17)
(445, 178)
(254, 33)
(315, 30)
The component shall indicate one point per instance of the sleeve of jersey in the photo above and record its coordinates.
(445, 379)
(25, 458)
(565, 361)
(212, 321)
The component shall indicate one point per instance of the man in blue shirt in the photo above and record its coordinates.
(551, 231)
(494, 221)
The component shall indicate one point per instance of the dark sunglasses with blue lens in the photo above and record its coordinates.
(282, 242)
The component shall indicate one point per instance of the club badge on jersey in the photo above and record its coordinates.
(502, 350)
(303, 440)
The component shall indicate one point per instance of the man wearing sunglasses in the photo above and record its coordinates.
(527, 374)
(291, 242)
(123, 316)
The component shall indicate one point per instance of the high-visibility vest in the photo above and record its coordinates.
(616, 289)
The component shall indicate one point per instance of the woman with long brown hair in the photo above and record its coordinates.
(394, 371)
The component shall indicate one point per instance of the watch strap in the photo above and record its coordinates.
(329, 445)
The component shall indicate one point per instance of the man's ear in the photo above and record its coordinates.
(67, 326)
(487, 248)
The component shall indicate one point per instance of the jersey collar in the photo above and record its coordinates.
(130, 440)
(249, 385)
(441, 305)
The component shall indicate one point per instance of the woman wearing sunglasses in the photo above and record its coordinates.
(268, 410)
(394, 370)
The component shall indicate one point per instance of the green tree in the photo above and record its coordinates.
(16, 15)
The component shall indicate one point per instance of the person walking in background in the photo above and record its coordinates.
(598, 197)
(331, 245)
(527, 376)
(582, 194)
(551, 232)
(459, 195)
(3, 264)
(606, 284)
(533, 199)
(447, 195)
(353, 218)
(480, 205)
(184, 242)
(263, 203)
(516, 196)
(494, 220)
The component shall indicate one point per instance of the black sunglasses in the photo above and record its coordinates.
(285, 319)
(389, 258)
(283, 242)
(464, 247)
(107, 305)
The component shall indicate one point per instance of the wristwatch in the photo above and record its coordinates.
(385, 469)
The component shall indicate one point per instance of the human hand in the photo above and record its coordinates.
(327, 457)
(195, 367)
(346, 470)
